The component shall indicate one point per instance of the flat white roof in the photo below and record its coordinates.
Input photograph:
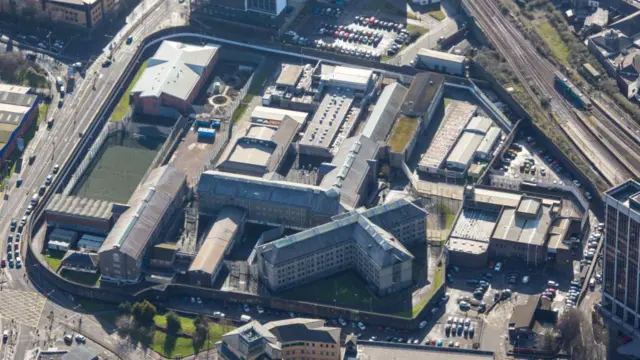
(351, 75)
(277, 114)
(441, 55)
(465, 148)
(15, 88)
(260, 132)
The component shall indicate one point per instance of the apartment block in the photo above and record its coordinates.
(621, 256)
(83, 13)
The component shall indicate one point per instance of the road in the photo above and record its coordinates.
(54, 146)
(532, 68)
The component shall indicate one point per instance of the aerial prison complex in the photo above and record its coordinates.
(348, 121)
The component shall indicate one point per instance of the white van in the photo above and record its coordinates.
(245, 318)
(34, 200)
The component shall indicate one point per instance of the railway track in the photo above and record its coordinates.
(532, 69)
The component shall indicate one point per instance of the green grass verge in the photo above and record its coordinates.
(552, 38)
(42, 113)
(438, 15)
(123, 105)
(242, 108)
(403, 132)
(421, 30)
(386, 7)
(81, 277)
(54, 259)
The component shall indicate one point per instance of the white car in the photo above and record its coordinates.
(422, 324)
(260, 309)
(199, 300)
(498, 266)
(245, 308)
(81, 339)
(361, 326)
(342, 322)
(525, 280)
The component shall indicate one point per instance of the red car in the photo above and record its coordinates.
(491, 264)
(434, 342)
(551, 290)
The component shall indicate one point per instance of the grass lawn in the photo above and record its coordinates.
(256, 88)
(80, 277)
(402, 133)
(447, 101)
(54, 258)
(171, 346)
(422, 30)
(242, 108)
(438, 15)
(349, 290)
(553, 40)
(386, 7)
(123, 105)
(42, 113)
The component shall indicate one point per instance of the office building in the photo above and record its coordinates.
(173, 77)
(152, 208)
(359, 240)
(263, 14)
(289, 339)
(620, 291)
(81, 13)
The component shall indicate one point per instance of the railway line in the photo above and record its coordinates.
(613, 154)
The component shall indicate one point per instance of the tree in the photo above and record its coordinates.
(548, 341)
(202, 330)
(143, 312)
(173, 323)
(569, 327)
(125, 307)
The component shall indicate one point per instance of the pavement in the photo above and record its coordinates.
(19, 298)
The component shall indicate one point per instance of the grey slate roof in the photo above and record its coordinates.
(218, 239)
(81, 258)
(351, 169)
(421, 93)
(391, 214)
(300, 329)
(80, 353)
(384, 113)
(78, 206)
(380, 246)
(148, 204)
(238, 186)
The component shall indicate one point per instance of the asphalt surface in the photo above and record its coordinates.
(51, 147)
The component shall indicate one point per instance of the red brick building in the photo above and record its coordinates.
(173, 77)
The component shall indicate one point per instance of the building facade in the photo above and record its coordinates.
(82, 13)
(289, 339)
(264, 14)
(620, 292)
(361, 241)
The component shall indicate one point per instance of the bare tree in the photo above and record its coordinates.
(569, 327)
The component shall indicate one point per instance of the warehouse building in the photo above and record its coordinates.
(62, 240)
(361, 81)
(384, 112)
(441, 62)
(354, 171)
(320, 136)
(90, 243)
(152, 209)
(360, 240)
(219, 241)
(275, 116)
(295, 88)
(487, 146)
(463, 153)
(508, 224)
(173, 78)
(268, 202)
(79, 214)
(257, 150)
(18, 111)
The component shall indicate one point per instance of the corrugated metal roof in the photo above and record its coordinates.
(423, 89)
(78, 206)
(441, 55)
(465, 149)
(175, 69)
(148, 204)
(384, 113)
(351, 75)
(489, 140)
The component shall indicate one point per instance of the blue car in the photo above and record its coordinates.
(439, 343)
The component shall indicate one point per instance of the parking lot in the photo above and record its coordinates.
(361, 36)
(527, 160)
